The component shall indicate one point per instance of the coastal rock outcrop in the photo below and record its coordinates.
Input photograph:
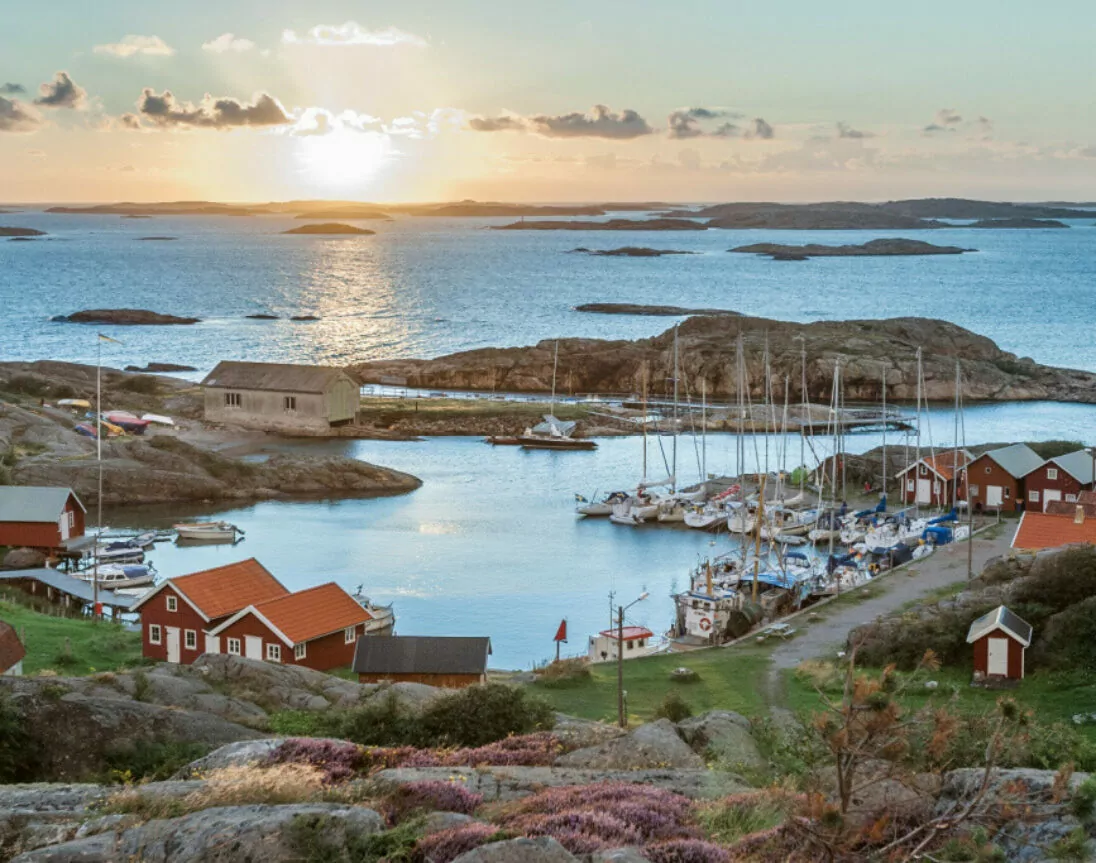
(659, 311)
(707, 356)
(654, 745)
(871, 248)
(124, 317)
(155, 368)
(21, 232)
(609, 225)
(631, 252)
(1017, 223)
(330, 228)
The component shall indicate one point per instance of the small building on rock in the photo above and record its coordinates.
(1000, 639)
(452, 662)
(281, 397)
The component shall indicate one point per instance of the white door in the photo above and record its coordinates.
(1049, 495)
(924, 491)
(998, 657)
(63, 524)
(213, 643)
(253, 647)
(172, 643)
(993, 495)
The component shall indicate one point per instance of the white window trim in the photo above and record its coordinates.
(172, 603)
(1071, 498)
(273, 652)
(350, 635)
(190, 635)
(1033, 496)
(155, 634)
(300, 651)
(233, 642)
(1052, 473)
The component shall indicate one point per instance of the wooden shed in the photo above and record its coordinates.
(41, 517)
(1000, 639)
(452, 662)
(281, 397)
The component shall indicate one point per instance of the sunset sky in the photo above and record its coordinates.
(566, 101)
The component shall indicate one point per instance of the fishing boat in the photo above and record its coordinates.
(208, 531)
(383, 617)
(120, 575)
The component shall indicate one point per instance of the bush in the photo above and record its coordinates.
(313, 839)
(144, 384)
(337, 761)
(448, 845)
(563, 673)
(903, 641)
(480, 715)
(686, 851)
(673, 707)
(153, 761)
(733, 817)
(1068, 640)
(430, 796)
(18, 754)
(1059, 581)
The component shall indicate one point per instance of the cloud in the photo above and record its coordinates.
(228, 42)
(726, 130)
(685, 122)
(502, 123)
(946, 121)
(133, 45)
(844, 130)
(165, 111)
(130, 121)
(17, 117)
(61, 92)
(758, 128)
(352, 33)
(10, 89)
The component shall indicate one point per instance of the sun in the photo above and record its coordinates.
(344, 158)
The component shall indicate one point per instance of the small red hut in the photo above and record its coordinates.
(1000, 639)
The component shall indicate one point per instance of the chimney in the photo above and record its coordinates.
(1079, 514)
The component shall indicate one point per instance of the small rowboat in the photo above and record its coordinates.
(208, 531)
(128, 422)
(158, 419)
(74, 403)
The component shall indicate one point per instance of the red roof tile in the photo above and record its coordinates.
(226, 589)
(1042, 530)
(308, 614)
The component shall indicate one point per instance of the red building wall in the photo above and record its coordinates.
(1037, 481)
(996, 475)
(941, 498)
(43, 535)
(1015, 655)
(321, 654)
(155, 612)
(446, 681)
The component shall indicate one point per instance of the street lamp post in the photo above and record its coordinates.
(621, 719)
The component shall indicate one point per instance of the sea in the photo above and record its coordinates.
(490, 544)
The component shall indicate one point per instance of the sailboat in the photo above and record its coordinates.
(554, 433)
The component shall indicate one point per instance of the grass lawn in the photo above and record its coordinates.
(390, 410)
(729, 680)
(94, 646)
(1052, 696)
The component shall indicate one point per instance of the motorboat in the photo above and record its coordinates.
(383, 617)
(587, 507)
(120, 552)
(208, 531)
(554, 434)
(114, 576)
(502, 440)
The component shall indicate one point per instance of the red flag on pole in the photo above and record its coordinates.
(561, 633)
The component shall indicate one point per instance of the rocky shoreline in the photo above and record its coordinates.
(707, 351)
(660, 311)
(872, 248)
(124, 317)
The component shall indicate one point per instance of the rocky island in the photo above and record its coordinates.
(631, 252)
(364, 214)
(610, 225)
(632, 309)
(124, 317)
(1016, 223)
(156, 239)
(21, 232)
(174, 208)
(781, 252)
(707, 351)
(330, 229)
(187, 463)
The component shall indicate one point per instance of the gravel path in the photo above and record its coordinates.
(827, 635)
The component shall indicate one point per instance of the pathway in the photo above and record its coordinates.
(827, 635)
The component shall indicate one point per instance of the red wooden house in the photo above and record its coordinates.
(41, 517)
(176, 616)
(1063, 477)
(931, 481)
(1000, 639)
(996, 478)
(318, 628)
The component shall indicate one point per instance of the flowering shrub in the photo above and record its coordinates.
(686, 851)
(434, 796)
(447, 845)
(337, 760)
(529, 750)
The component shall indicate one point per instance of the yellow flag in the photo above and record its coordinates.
(108, 339)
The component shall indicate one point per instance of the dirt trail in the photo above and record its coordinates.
(827, 635)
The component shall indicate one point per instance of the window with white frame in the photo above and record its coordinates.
(1008, 493)
(299, 651)
(1052, 473)
(351, 634)
(172, 603)
(274, 653)
(72, 519)
(234, 646)
(1033, 496)
(155, 636)
(909, 485)
(974, 491)
(924, 470)
(233, 400)
(190, 639)
(1071, 498)
(289, 404)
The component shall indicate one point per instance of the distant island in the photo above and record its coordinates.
(660, 311)
(156, 239)
(262, 316)
(610, 225)
(346, 213)
(1016, 223)
(175, 208)
(473, 208)
(780, 252)
(160, 368)
(330, 228)
(631, 252)
(123, 317)
(21, 232)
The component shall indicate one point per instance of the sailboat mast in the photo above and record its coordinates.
(555, 367)
(917, 451)
(805, 419)
(99, 459)
(884, 433)
(836, 450)
(673, 472)
(643, 478)
(955, 450)
(703, 430)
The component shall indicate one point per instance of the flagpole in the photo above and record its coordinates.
(99, 458)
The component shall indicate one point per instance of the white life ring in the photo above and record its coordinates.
(705, 624)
